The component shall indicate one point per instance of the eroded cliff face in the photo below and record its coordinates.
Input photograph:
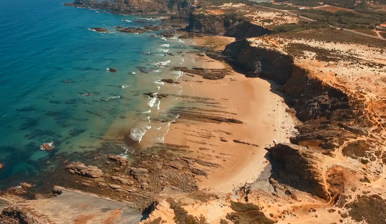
(226, 25)
(261, 62)
(330, 117)
(178, 8)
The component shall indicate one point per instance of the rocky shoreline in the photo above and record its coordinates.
(328, 166)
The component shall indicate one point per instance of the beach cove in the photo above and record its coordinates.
(197, 114)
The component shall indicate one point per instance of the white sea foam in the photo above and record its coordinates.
(114, 97)
(181, 41)
(152, 102)
(157, 70)
(158, 82)
(165, 45)
(158, 88)
(127, 20)
(147, 112)
(163, 38)
(158, 104)
(124, 86)
(162, 64)
(165, 50)
(177, 74)
(137, 134)
(133, 73)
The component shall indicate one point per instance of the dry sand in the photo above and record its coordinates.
(250, 100)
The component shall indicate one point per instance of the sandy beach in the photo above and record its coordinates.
(238, 149)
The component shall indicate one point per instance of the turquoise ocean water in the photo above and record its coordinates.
(55, 87)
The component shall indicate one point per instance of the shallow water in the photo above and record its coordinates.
(55, 87)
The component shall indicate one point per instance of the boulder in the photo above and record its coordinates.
(25, 185)
(139, 172)
(119, 159)
(83, 170)
(114, 186)
(1, 166)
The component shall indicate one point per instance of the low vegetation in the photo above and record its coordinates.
(345, 19)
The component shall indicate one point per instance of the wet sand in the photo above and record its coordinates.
(238, 149)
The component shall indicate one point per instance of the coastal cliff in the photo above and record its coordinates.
(177, 8)
(261, 62)
(225, 24)
(334, 163)
(330, 119)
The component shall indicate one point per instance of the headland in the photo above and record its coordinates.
(281, 119)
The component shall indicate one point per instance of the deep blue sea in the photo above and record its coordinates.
(55, 87)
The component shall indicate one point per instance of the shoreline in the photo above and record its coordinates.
(213, 165)
(238, 149)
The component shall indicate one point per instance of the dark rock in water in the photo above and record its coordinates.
(119, 159)
(99, 29)
(150, 94)
(152, 28)
(130, 30)
(25, 185)
(18, 190)
(168, 33)
(83, 170)
(15, 215)
(112, 69)
(170, 81)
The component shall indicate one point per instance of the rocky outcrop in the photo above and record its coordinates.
(119, 159)
(83, 170)
(256, 61)
(371, 209)
(15, 215)
(297, 166)
(178, 8)
(130, 30)
(226, 25)
(330, 117)
(211, 74)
